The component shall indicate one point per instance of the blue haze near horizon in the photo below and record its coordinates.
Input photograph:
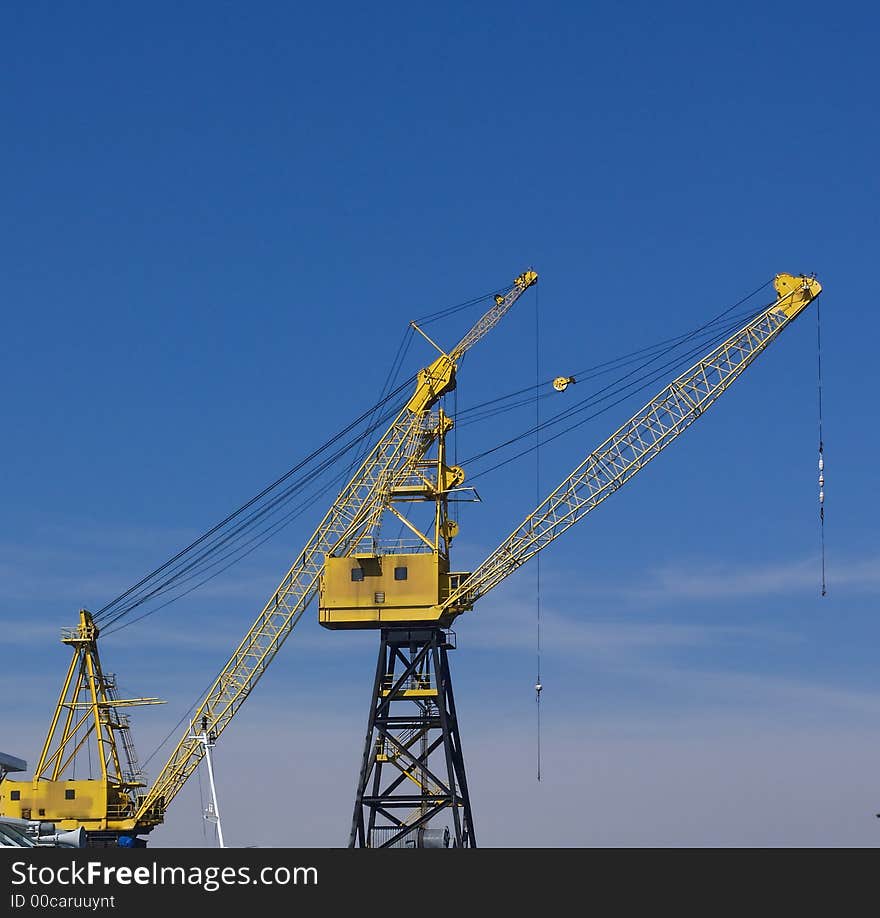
(219, 221)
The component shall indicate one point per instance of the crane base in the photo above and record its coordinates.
(413, 768)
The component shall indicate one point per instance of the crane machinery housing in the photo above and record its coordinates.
(412, 767)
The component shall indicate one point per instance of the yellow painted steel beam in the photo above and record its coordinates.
(411, 693)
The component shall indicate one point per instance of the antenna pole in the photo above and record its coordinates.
(208, 741)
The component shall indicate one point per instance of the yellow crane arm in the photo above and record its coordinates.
(353, 514)
(638, 441)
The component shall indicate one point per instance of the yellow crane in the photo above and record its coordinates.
(116, 806)
(413, 767)
(410, 594)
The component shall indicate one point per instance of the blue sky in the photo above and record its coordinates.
(218, 221)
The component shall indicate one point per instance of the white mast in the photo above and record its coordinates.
(212, 813)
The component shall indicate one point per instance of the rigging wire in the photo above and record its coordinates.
(202, 563)
(183, 562)
(396, 364)
(184, 573)
(611, 390)
(690, 336)
(821, 452)
(485, 409)
(184, 717)
(451, 310)
(272, 531)
(538, 684)
(455, 508)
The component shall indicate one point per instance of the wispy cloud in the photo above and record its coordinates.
(699, 580)
(719, 581)
(511, 624)
(66, 569)
(563, 633)
(757, 697)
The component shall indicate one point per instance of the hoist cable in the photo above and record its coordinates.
(538, 684)
(821, 452)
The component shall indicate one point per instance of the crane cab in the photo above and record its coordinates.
(386, 590)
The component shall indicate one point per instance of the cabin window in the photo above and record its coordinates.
(70, 794)
(15, 795)
(400, 573)
(357, 574)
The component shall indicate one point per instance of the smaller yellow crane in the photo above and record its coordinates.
(88, 709)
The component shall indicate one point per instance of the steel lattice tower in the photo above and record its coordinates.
(413, 767)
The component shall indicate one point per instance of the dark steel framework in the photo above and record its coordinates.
(413, 748)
